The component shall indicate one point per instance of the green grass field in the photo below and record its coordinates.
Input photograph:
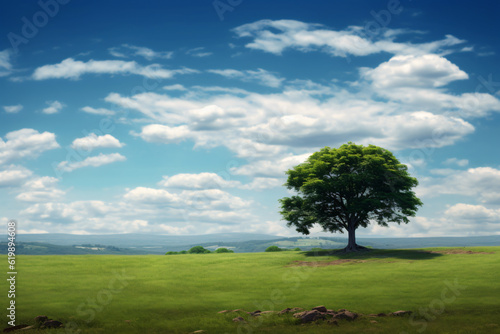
(448, 291)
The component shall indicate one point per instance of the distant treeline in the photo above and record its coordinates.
(200, 250)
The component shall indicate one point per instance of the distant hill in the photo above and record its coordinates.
(40, 248)
(129, 240)
(239, 242)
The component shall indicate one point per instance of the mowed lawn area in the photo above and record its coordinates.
(450, 290)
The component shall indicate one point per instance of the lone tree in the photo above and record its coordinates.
(344, 188)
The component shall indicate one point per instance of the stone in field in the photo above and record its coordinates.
(346, 315)
(320, 308)
(400, 313)
(52, 324)
(309, 316)
(41, 318)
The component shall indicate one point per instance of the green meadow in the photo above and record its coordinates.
(450, 290)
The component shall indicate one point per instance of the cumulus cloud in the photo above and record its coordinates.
(259, 76)
(482, 183)
(41, 189)
(74, 69)
(98, 111)
(279, 35)
(53, 108)
(428, 70)
(261, 183)
(151, 196)
(473, 213)
(14, 176)
(197, 181)
(144, 209)
(157, 133)
(270, 168)
(93, 141)
(293, 121)
(26, 144)
(95, 161)
(127, 50)
(416, 81)
(13, 109)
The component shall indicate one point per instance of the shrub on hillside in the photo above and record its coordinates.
(223, 250)
(171, 253)
(273, 249)
(198, 250)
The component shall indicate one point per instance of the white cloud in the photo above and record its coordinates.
(270, 168)
(147, 53)
(5, 65)
(146, 210)
(197, 181)
(428, 70)
(476, 214)
(73, 69)
(423, 129)
(416, 82)
(482, 183)
(157, 133)
(26, 144)
(261, 183)
(198, 52)
(151, 196)
(212, 199)
(95, 161)
(98, 111)
(14, 176)
(279, 35)
(455, 161)
(53, 108)
(41, 189)
(292, 122)
(13, 109)
(93, 141)
(175, 87)
(259, 76)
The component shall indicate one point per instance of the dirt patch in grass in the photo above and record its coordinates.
(323, 263)
(458, 251)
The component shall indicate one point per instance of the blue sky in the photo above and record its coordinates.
(180, 117)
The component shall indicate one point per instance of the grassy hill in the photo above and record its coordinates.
(239, 242)
(450, 290)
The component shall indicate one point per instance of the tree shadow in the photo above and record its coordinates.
(372, 253)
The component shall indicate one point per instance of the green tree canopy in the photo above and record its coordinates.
(223, 250)
(273, 249)
(344, 188)
(198, 250)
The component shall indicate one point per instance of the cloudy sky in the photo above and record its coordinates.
(181, 117)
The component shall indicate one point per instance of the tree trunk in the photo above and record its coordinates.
(352, 246)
